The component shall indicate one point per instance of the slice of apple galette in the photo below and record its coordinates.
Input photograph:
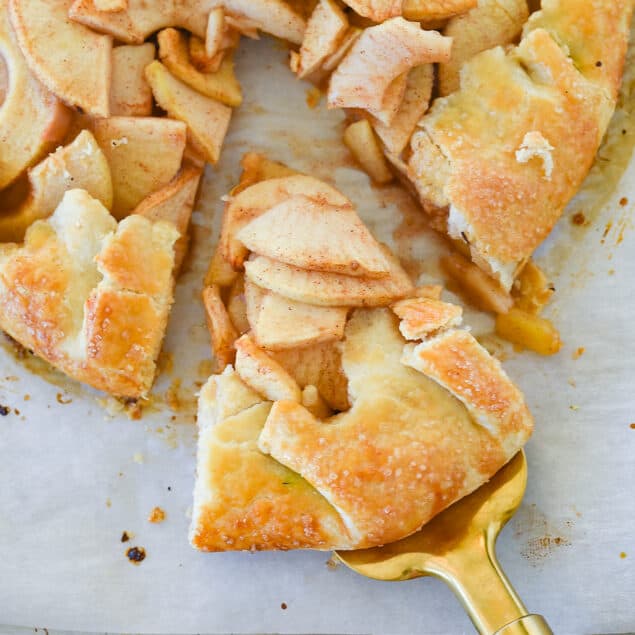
(352, 407)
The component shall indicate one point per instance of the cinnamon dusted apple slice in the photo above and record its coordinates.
(69, 59)
(433, 10)
(142, 18)
(263, 374)
(133, 25)
(130, 93)
(362, 142)
(207, 119)
(376, 10)
(79, 165)
(144, 154)
(311, 234)
(329, 289)
(275, 17)
(253, 201)
(174, 203)
(380, 55)
(221, 85)
(279, 323)
(32, 119)
(395, 136)
(325, 31)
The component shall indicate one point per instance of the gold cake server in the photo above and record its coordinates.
(458, 546)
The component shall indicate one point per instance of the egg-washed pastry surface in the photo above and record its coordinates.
(350, 407)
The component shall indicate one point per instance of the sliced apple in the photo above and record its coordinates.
(111, 5)
(325, 31)
(215, 31)
(130, 93)
(220, 271)
(395, 136)
(311, 234)
(258, 198)
(237, 306)
(263, 374)
(362, 142)
(320, 366)
(144, 154)
(132, 26)
(279, 323)
(207, 119)
(380, 55)
(376, 10)
(174, 203)
(221, 85)
(350, 37)
(256, 168)
(32, 120)
(69, 59)
(221, 330)
(271, 16)
(199, 57)
(79, 165)
(329, 289)
(424, 10)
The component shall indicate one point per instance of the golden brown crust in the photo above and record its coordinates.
(513, 145)
(592, 32)
(246, 500)
(386, 466)
(506, 207)
(460, 364)
(76, 294)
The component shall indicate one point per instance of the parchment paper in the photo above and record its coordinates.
(73, 477)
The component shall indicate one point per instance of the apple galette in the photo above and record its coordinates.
(351, 407)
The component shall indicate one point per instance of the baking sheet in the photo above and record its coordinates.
(75, 475)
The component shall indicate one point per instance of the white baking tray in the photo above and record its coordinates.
(73, 477)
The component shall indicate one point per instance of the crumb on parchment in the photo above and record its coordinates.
(157, 515)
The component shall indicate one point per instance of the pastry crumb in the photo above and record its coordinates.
(157, 515)
(622, 555)
(313, 97)
(535, 146)
(138, 458)
(332, 563)
(578, 352)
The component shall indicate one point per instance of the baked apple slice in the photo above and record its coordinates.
(144, 154)
(130, 93)
(71, 60)
(207, 119)
(221, 85)
(32, 120)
